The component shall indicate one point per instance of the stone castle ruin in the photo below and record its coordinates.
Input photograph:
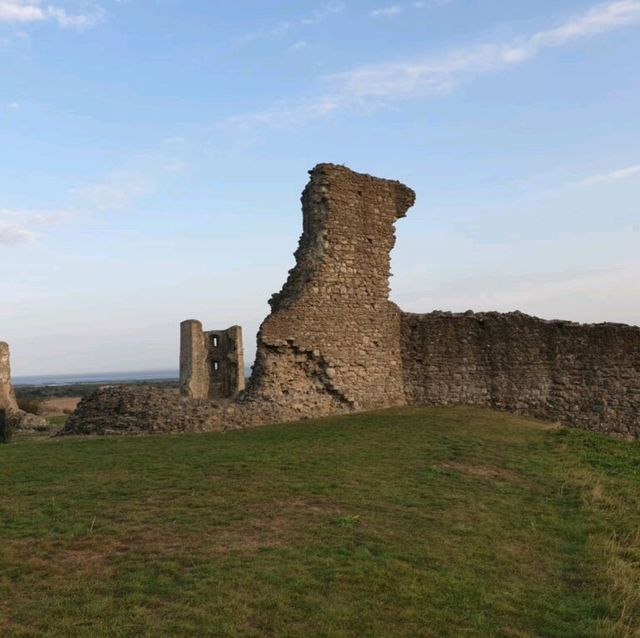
(211, 363)
(8, 404)
(7, 395)
(334, 343)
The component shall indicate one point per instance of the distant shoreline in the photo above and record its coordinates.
(97, 377)
(139, 376)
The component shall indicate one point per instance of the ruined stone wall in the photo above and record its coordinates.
(586, 376)
(226, 362)
(7, 397)
(16, 418)
(335, 343)
(194, 367)
(211, 363)
(332, 341)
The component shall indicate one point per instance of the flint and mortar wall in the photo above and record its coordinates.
(587, 376)
(332, 341)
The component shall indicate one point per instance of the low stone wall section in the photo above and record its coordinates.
(587, 376)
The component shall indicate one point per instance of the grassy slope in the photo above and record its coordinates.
(414, 522)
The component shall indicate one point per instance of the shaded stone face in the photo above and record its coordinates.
(7, 396)
(211, 363)
(587, 376)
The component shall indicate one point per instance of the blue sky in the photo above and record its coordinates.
(152, 155)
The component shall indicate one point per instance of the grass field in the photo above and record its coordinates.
(416, 522)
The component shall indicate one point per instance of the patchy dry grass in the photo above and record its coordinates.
(57, 420)
(414, 522)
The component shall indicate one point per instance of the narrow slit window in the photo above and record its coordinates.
(215, 341)
(216, 366)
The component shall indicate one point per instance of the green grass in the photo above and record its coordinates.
(58, 419)
(415, 522)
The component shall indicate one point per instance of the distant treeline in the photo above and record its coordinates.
(79, 389)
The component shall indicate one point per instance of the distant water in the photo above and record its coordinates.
(98, 377)
(103, 377)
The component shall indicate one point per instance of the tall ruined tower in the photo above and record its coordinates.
(211, 362)
(332, 340)
(7, 397)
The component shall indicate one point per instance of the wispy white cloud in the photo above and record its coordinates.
(329, 10)
(397, 9)
(118, 191)
(612, 176)
(173, 140)
(386, 12)
(377, 85)
(141, 176)
(12, 234)
(15, 39)
(297, 46)
(15, 11)
(436, 75)
(18, 227)
(285, 27)
(77, 20)
(29, 11)
(33, 217)
(272, 32)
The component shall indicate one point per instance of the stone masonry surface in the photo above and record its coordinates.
(17, 418)
(211, 363)
(7, 396)
(334, 343)
(332, 340)
(586, 376)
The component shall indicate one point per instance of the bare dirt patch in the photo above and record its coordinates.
(80, 558)
(59, 405)
(484, 471)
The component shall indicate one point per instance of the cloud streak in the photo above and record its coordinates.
(386, 12)
(613, 176)
(331, 9)
(281, 29)
(12, 234)
(143, 175)
(382, 84)
(396, 9)
(32, 11)
(17, 227)
(117, 192)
